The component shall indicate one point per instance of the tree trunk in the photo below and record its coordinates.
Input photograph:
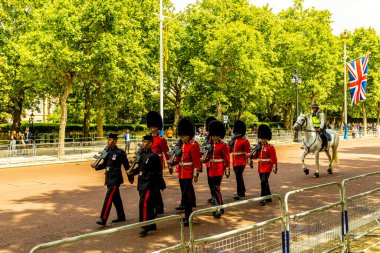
(62, 103)
(87, 110)
(177, 114)
(378, 113)
(44, 109)
(219, 110)
(99, 116)
(289, 112)
(48, 105)
(364, 119)
(17, 111)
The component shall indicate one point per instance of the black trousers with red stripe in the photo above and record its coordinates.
(215, 189)
(240, 187)
(112, 196)
(265, 189)
(147, 204)
(209, 180)
(188, 195)
(192, 193)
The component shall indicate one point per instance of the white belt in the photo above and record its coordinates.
(264, 160)
(186, 163)
(217, 160)
(238, 153)
(159, 154)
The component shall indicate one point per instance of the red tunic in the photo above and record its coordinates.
(219, 159)
(189, 161)
(266, 158)
(240, 151)
(160, 147)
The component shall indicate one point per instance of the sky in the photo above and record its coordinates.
(345, 13)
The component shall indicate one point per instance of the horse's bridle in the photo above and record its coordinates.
(301, 125)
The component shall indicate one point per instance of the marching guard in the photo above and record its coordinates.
(209, 141)
(112, 165)
(267, 160)
(160, 147)
(240, 149)
(187, 166)
(219, 160)
(149, 180)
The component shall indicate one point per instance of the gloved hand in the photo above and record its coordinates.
(196, 174)
(227, 172)
(274, 169)
(93, 165)
(251, 164)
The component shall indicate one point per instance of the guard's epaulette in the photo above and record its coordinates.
(192, 141)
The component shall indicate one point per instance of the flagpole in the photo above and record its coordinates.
(345, 88)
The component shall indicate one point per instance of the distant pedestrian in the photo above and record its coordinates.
(127, 140)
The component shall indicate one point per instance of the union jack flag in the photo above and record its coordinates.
(358, 73)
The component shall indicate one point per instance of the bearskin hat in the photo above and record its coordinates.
(154, 119)
(264, 132)
(216, 128)
(239, 127)
(186, 127)
(208, 121)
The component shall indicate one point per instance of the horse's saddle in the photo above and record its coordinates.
(328, 136)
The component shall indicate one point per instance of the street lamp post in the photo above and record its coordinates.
(296, 79)
(31, 121)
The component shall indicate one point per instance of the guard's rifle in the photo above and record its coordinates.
(133, 163)
(136, 160)
(206, 149)
(102, 155)
(254, 151)
(175, 151)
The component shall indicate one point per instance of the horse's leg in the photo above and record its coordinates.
(329, 170)
(304, 154)
(316, 173)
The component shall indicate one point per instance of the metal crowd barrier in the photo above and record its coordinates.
(320, 228)
(57, 243)
(263, 237)
(328, 228)
(362, 212)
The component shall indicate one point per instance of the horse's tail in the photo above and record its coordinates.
(335, 150)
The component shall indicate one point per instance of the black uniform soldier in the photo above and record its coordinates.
(150, 175)
(112, 164)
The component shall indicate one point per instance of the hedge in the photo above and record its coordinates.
(54, 127)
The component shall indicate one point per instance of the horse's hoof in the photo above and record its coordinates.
(306, 171)
(329, 170)
(316, 174)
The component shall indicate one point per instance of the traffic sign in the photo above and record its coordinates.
(225, 119)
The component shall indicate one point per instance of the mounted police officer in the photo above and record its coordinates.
(319, 123)
(112, 164)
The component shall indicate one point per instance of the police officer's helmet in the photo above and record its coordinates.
(314, 105)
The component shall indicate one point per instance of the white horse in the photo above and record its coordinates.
(312, 143)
